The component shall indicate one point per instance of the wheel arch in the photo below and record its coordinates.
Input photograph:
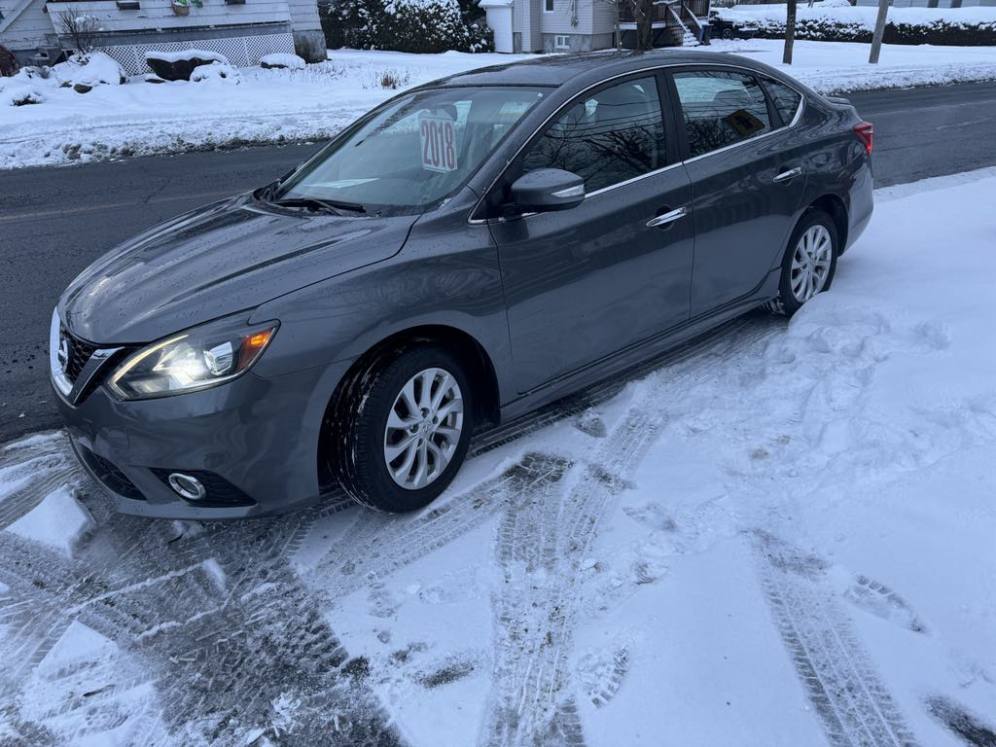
(836, 208)
(480, 368)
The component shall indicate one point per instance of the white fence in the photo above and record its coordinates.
(241, 51)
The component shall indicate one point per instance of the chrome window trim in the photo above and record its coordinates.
(654, 69)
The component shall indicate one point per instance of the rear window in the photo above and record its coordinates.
(720, 108)
(785, 99)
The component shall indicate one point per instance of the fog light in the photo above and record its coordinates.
(186, 486)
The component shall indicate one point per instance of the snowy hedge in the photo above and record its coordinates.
(940, 26)
(406, 25)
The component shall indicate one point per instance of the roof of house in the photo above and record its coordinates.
(555, 70)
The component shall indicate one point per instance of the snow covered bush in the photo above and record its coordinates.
(84, 72)
(406, 25)
(827, 22)
(180, 65)
(25, 87)
(281, 60)
(216, 72)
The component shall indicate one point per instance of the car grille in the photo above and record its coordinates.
(112, 478)
(79, 353)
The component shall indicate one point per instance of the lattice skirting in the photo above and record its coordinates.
(241, 51)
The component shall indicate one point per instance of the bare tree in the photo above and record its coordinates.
(643, 11)
(81, 29)
(789, 32)
(883, 11)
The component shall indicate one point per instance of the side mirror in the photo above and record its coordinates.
(545, 190)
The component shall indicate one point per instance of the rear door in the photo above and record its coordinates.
(747, 180)
(585, 283)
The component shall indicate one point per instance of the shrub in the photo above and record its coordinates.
(180, 65)
(216, 72)
(918, 26)
(406, 25)
(8, 63)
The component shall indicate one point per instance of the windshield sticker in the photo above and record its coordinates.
(438, 143)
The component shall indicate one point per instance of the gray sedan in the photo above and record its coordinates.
(468, 251)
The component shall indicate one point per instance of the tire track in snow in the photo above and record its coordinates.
(542, 551)
(234, 644)
(392, 542)
(840, 681)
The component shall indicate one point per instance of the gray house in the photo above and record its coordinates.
(242, 30)
(586, 25)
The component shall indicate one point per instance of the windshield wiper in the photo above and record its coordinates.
(327, 206)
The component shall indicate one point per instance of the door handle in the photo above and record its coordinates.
(787, 176)
(667, 218)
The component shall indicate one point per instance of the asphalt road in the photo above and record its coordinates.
(55, 221)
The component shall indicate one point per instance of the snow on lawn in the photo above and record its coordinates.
(275, 105)
(143, 118)
(839, 67)
(782, 536)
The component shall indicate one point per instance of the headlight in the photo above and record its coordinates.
(199, 358)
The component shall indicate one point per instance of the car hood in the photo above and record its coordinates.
(218, 260)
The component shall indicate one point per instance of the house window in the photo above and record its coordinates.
(561, 41)
(548, 6)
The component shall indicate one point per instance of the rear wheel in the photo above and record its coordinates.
(404, 429)
(809, 263)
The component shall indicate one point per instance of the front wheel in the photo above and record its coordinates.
(809, 263)
(405, 429)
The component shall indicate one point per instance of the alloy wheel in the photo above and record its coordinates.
(423, 428)
(811, 263)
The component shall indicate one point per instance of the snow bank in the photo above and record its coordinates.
(57, 521)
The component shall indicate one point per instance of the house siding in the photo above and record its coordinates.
(592, 19)
(526, 25)
(30, 29)
(158, 15)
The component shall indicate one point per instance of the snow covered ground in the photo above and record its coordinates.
(141, 118)
(781, 535)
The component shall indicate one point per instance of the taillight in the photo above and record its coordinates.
(866, 134)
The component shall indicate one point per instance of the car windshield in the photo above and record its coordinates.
(412, 152)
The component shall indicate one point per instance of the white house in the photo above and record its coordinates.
(242, 30)
(586, 25)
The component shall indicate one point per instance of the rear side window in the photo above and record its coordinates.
(785, 99)
(720, 108)
(611, 136)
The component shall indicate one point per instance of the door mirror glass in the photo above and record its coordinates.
(545, 190)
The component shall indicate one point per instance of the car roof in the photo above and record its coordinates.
(556, 70)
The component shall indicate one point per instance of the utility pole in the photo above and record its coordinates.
(789, 32)
(883, 10)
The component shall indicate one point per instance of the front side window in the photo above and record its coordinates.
(720, 108)
(414, 151)
(611, 136)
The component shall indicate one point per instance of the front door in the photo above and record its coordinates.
(747, 183)
(584, 283)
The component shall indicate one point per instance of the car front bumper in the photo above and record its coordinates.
(252, 442)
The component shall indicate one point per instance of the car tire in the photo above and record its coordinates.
(374, 406)
(809, 263)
